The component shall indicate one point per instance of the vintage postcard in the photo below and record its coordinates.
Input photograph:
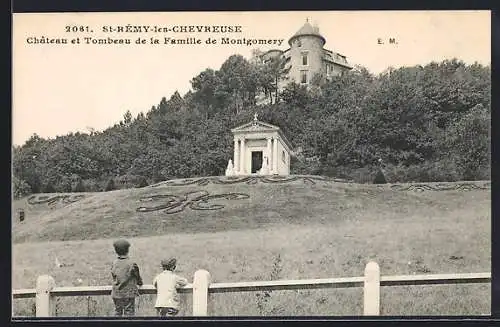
(295, 163)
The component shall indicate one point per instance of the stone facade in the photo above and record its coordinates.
(259, 149)
(307, 57)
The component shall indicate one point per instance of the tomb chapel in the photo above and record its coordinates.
(259, 149)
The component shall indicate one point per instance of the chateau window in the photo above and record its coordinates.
(303, 76)
(304, 58)
(283, 156)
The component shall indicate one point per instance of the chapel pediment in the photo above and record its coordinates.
(256, 126)
(253, 127)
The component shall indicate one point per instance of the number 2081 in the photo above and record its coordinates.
(74, 29)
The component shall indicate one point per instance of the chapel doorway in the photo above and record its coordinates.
(256, 161)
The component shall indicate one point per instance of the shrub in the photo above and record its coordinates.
(127, 181)
(142, 182)
(158, 177)
(379, 178)
(91, 185)
(299, 165)
(329, 171)
(362, 175)
(110, 186)
(440, 171)
(79, 187)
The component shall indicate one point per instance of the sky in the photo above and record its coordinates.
(62, 88)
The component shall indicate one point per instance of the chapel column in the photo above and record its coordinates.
(269, 156)
(242, 156)
(275, 156)
(236, 157)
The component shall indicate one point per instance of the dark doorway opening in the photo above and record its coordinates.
(256, 161)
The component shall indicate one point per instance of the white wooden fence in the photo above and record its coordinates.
(46, 290)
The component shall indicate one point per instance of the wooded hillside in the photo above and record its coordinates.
(426, 123)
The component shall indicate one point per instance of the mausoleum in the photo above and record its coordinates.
(259, 149)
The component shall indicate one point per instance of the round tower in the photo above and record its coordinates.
(306, 53)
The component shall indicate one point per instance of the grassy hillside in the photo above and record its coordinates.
(299, 228)
(262, 203)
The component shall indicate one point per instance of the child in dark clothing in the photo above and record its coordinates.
(126, 279)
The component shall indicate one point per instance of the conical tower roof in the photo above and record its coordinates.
(307, 30)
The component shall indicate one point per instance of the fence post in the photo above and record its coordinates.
(200, 292)
(45, 302)
(372, 289)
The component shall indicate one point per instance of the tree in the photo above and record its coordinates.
(396, 119)
(205, 86)
(127, 118)
(272, 73)
(20, 188)
(295, 95)
(28, 164)
(453, 88)
(256, 57)
(237, 82)
(467, 143)
(162, 106)
(428, 122)
(176, 102)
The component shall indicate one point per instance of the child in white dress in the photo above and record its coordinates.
(167, 283)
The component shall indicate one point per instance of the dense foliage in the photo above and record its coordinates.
(421, 123)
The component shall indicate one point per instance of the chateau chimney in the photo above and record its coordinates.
(316, 28)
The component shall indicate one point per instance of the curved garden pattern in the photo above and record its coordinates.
(196, 200)
(203, 200)
(53, 199)
(248, 180)
(469, 186)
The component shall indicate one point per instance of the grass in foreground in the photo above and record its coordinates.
(335, 234)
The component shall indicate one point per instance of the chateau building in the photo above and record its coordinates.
(307, 57)
(261, 148)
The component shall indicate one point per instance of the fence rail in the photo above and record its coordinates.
(45, 292)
